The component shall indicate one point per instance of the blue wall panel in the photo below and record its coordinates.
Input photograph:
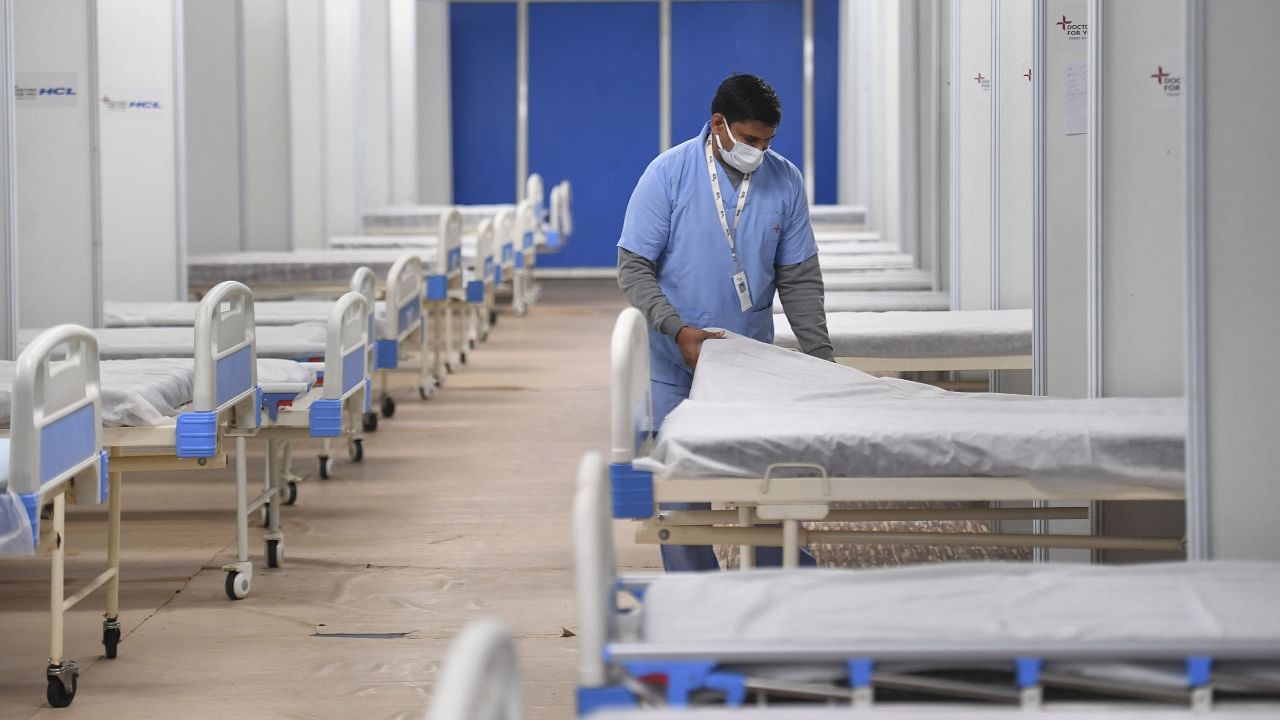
(482, 56)
(712, 40)
(593, 114)
(826, 100)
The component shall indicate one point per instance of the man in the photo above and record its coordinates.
(714, 226)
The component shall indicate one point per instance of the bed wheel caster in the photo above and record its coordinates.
(522, 311)
(471, 344)
(111, 638)
(371, 422)
(388, 407)
(63, 680)
(462, 358)
(493, 317)
(291, 493)
(426, 391)
(275, 553)
(355, 450)
(237, 585)
(326, 467)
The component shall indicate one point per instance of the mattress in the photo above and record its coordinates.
(754, 404)
(922, 334)
(405, 217)
(856, 247)
(182, 314)
(880, 301)
(141, 393)
(890, 279)
(971, 605)
(309, 267)
(292, 342)
(4, 463)
(837, 214)
(826, 236)
(425, 243)
(837, 263)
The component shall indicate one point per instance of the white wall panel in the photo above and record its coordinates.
(136, 63)
(403, 86)
(971, 193)
(213, 129)
(307, 139)
(375, 103)
(342, 137)
(8, 196)
(266, 125)
(434, 137)
(58, 263)
(1013, 169)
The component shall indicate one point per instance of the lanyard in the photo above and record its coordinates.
(729, 232)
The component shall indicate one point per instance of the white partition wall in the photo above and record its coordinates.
(137, 63)
(375, 103)
(971, 145)
(59, 266)
(1012, 113)
(213, 107)
(435, 146)
(1136, 234)
(342, 132)
(307, 140)
(1061, 304)
(1234, 328)
(402, 69)
(265, 124)
(8, 196)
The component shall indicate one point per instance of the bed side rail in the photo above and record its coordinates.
(595, 568)
(480, 680)
(56, 419)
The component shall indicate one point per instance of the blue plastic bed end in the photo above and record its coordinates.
(104, 477)
(553, 238)
(1199, 671)
(519, 260)
(861, 671)
(326, 418)
(632, 491)
(438, 287)
(528, 240)
(197, 435)
(497, 275)
(601, 698)
(274, 401)
(387, 354)
(31, 501)
(475, 292)
(684, 677)
(1028, 671)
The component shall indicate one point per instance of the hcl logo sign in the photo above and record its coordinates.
(59, 91)
(144, 105)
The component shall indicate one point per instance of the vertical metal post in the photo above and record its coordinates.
(664, 75)
(8, 193)
(115, 502)
(57, 578)
(95, 164)
(180, 147)
(996, 83)
(807, 9)
(242, 128)
(954, 169)
(1039, 256)
(1093, 252)
(1197, 493)
(935, 140)
(522, 97)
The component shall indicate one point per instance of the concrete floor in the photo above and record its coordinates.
(460, 511)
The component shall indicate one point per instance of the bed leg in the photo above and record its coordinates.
(242, 502)
(111, 623)
(56, 579)
(790, 544)
(746, 553)
(274, 538)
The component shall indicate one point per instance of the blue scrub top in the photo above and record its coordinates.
(672, 221)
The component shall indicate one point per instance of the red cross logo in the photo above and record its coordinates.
(1160, 75)
(1027, 75)
(1063, 23)
(979, 78)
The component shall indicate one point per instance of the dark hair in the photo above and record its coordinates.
(746, 97)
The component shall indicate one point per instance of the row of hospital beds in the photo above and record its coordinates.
(187, 385)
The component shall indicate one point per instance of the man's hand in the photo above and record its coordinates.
(690, 340)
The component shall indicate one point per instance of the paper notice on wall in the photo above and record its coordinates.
(1075, 101)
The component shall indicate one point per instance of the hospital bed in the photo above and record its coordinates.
(1005, 633)
(770, 433)
(832, 263)
(479, 680)
(479, 261)
(905, 341)
(837, 217)
(51, 412)
(879, 300)
(899, 278)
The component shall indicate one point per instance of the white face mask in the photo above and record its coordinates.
(743, 158)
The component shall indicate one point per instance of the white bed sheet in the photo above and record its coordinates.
(182, 314)
(302, 267)
(889, 279)
(835, 263)
(826, 236)
(841, 214)
(880, 301)
(845, 247)
(938, 334)
(303, 340)
(754, 404)
(971, 604)
(143, 393)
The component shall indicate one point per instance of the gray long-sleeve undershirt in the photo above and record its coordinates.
(799, 288)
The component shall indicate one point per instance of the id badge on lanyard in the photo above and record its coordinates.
(739, 278)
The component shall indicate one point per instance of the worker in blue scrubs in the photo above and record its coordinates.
(716, 226)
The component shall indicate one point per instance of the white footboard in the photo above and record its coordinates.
(594, 562)
(345, 347)
(480, 680)
(632, 411)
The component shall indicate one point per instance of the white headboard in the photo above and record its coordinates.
(346, 346)
(486, 248)
(449, 249)
(480, 680)
(404, 298)
(629, 362)
(594, 564)
(226, 355)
